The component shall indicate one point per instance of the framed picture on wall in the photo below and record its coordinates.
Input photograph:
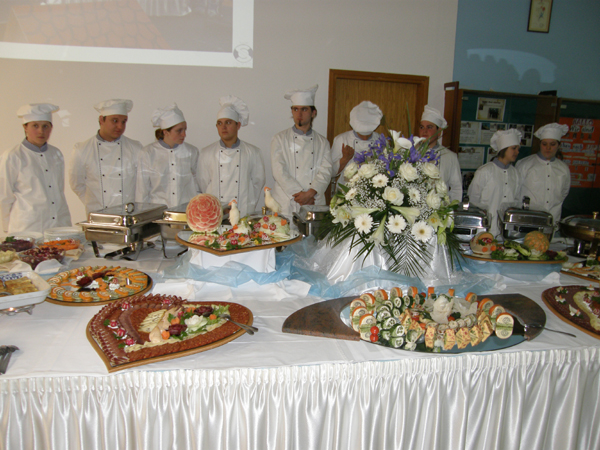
(539, 16)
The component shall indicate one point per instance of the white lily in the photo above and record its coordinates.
(378, 237)
(410, 214)
(358, 210)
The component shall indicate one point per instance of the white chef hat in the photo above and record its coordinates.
(167, 117)
(365, 117)
(114, 106)
(233, 108)
(37, 111)
(434, 116)
(302, 97)
(502, 139)
(552, 131)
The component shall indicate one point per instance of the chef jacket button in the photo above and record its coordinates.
(53, 218)
(173, 179)
(105, 192)
(49, 186)
(236, 181)
(101, 159)
(46, 170)
(119, 159)
(119, 190)
(53, 203)
(237, 165)
(221, 181)
(103, 175)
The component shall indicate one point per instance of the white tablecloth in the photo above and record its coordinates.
(287, 391)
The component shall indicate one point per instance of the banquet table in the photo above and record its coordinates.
(276, 390)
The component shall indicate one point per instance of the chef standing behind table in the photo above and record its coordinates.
(546, 179)
(364, 120)
(104, 168)
(496, 185)
(300, 157)
(32, 177)
(431, 123)
(167, 167)
(231, 169)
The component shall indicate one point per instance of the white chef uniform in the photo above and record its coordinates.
(233, 173)
(495, 187)
(103, 174)
(299, 162)
(450, 172)
(32, 189)
(167, 175)
(546, 183)
(348, 138)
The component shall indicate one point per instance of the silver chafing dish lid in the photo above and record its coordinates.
(126, 215)
(468, 215)
(311, 213)
(527, 217)
(176, 214)
(583, 222)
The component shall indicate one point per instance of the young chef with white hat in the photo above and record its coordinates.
(32, 177)
(300, 157)
(546, 179)
(104, 168)
(431, 122)
(496, 184)
(364, 120)
(231, 169)
(167, 167)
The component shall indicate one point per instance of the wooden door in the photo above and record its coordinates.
(401, 98)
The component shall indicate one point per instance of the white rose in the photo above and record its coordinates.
(433, 200)
(393, 195)
(350, 194)
(408, 172)
(441, 187)
(367, 170)
(354, 180)
(431, 170)
(350, 170)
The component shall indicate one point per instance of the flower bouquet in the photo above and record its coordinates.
(394, 199)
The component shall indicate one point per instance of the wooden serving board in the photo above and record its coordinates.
(548, 298)
(323, 319)
(103, 302)
(142, 362)
(238, 250)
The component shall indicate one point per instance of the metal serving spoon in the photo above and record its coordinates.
(249, 329)
(537, 325)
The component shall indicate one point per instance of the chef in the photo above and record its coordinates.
(231, 169)
(300, 157)
(496, 185)
(167, 167)
(104, 168)
(432, 122)
(546, 179)
(32, 177)
(364, 120)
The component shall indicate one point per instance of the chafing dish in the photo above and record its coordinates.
(127, 224)
(585, 230)
(469, 220)
(173, 221)
(309, 218)
(517, 222)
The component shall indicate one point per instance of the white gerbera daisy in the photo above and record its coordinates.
(350, 194)
(414, 195)
(396, 224)
(380, 180)
(363, 223)
(421, 231)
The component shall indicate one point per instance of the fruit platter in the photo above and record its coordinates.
(578, 306)
(96, 285)
(147, 329)
(534, 249)
(588, 270)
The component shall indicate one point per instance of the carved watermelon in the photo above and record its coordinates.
(535, 240)
(204, 213)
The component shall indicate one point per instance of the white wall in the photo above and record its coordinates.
(296, 42)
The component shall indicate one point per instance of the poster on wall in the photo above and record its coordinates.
(491, 109)
(580, 149)
(487, 131)
(470, 157)
(469, 132)
(526, 133)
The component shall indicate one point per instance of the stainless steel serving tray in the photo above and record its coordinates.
(586, 233)
(309, 218)
(518, 222)
(469, 220)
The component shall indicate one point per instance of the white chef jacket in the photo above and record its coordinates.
(299, 162)
(103, 174)
(450, 172)
(495, 189)
(32, 189)
(166, 175)
(546, 183)
(348, 138)
(233, 173)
